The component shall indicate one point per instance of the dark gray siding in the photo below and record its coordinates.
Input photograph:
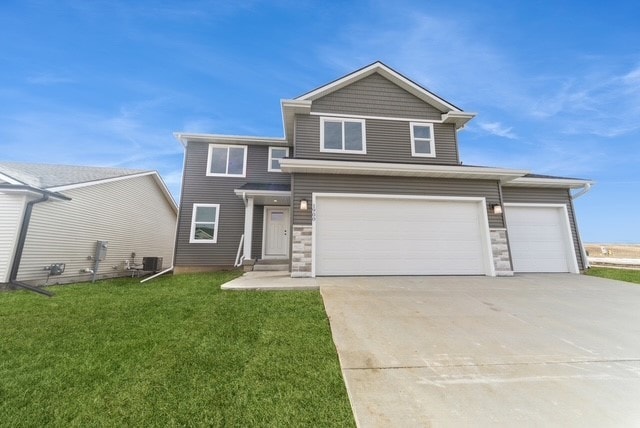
(375, 96)
(546, 196)
(256, 243)
(387, 141)
(198, 188)
(306, 184)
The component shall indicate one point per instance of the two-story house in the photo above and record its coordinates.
(368, 181)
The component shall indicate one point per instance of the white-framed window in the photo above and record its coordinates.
(342, 135)
(422, 140)
(275, 154)
(227, 160)
(204, 223)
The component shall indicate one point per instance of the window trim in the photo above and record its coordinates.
(342, 120)
(432, 140)
(269, 165)
(226, 146)
(192, 240)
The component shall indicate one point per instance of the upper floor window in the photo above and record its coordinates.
(204, 223)
(342, 135)
(275, 154)
(422, 141)
(227, 160)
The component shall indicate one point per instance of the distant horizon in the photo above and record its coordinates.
(108, 83)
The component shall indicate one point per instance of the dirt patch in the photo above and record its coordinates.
(615, 251)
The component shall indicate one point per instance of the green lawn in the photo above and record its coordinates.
(627, 275)
(175, 351)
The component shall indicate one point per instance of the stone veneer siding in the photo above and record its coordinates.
(301, 251)
(500, 252)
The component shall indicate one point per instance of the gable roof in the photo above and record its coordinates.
(388, 73)
(46, 176)
(56, 178)
(302, 104)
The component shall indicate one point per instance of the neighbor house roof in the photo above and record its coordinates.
(45, 176)
(57, 178)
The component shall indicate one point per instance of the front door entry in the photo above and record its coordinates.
(276, 232)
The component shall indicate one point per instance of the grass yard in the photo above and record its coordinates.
(627, 275)
(175, 351)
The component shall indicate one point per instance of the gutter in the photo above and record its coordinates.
(585, 189)
(22, 237)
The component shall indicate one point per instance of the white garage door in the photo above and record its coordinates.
(540, 239)
(388, 236)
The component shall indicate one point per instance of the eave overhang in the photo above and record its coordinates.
(265, 197)
(32, 191)
(559, 183)
(401, 170)
(458, 118)
(289, 109)
(186, 138)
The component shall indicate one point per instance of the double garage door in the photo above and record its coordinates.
(384, 235)
(540, 238)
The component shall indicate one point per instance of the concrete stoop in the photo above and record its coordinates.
(268, 265)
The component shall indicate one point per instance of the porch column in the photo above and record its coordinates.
(248, 227)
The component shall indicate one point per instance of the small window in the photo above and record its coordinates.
(204, 223)
(422, 141)
(342, 135)
(275, 154)
(227, 161)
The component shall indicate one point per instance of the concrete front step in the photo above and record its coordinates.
(272, 267)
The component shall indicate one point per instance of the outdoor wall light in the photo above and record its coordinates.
(497, 208)
(303, 205)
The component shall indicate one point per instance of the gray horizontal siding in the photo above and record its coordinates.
(256, 242)
(546, 196)
(132, 214)
(198, 188)
(387, 141)
(374, 95)
(306, 184)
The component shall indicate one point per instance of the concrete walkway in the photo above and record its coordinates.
(270, 281)
(532, 350)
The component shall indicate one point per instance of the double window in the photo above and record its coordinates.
(275, 154)
(342, 135)
(422, 141)
(204, 223)
(227, 160)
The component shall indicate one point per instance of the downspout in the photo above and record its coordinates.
(20, 248)
(585, 189)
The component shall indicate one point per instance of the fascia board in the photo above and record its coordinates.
(184, 138)
(9, 179)
(370, 168)
(564, 183)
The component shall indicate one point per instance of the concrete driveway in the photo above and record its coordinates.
(531, 350)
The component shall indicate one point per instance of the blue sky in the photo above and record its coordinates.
(556, 85)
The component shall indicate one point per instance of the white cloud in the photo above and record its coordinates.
(496, 128)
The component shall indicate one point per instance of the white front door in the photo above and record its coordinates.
(276, 232)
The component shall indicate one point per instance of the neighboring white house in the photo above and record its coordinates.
(74, 207)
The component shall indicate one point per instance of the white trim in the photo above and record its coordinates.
(396, 169)
(184, 138)
(193, 225)
(566, 183)
(362, 116)
(269, 165)
(9, 179)
(482, 211)
(572, 261)
(342, 121)
(392, 75)
(241, 192)
(431, 141)
(264, 231)
(226, 146)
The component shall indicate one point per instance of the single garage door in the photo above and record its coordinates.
(540, 238)
(364, 235)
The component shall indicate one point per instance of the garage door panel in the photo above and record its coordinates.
(538, 239)
(377, 236)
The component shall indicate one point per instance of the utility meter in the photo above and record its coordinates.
(101, 250)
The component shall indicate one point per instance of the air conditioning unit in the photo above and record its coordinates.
(152, 264)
